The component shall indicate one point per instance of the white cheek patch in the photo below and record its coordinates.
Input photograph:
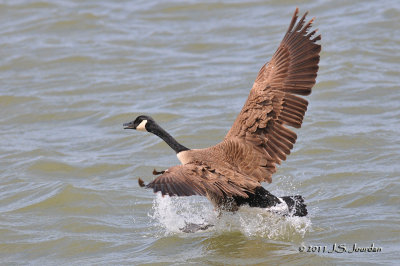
(142, 126)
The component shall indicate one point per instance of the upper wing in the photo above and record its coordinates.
(272, 102)
(196, 179)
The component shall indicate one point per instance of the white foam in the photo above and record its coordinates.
(173, 213)
(266, 223)
(281, 208)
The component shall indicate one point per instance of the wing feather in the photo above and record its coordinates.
(196, 179)
(273, 104)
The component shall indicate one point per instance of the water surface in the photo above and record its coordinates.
(72, 72)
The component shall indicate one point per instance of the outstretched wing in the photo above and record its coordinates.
(195, 179)
(273, 104)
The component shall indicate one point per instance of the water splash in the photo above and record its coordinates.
(264, 223)
(174, 213)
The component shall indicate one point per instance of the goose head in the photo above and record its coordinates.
(141, 123)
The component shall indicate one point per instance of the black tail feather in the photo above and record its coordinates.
(296, 205)
(262, 198)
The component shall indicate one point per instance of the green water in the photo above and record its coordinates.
(73, 71)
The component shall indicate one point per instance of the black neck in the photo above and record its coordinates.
(159, 131)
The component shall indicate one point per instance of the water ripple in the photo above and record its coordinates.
(72, 72)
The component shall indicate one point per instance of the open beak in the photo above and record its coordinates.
(129, 125)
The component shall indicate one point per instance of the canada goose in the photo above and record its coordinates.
(230, 173)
